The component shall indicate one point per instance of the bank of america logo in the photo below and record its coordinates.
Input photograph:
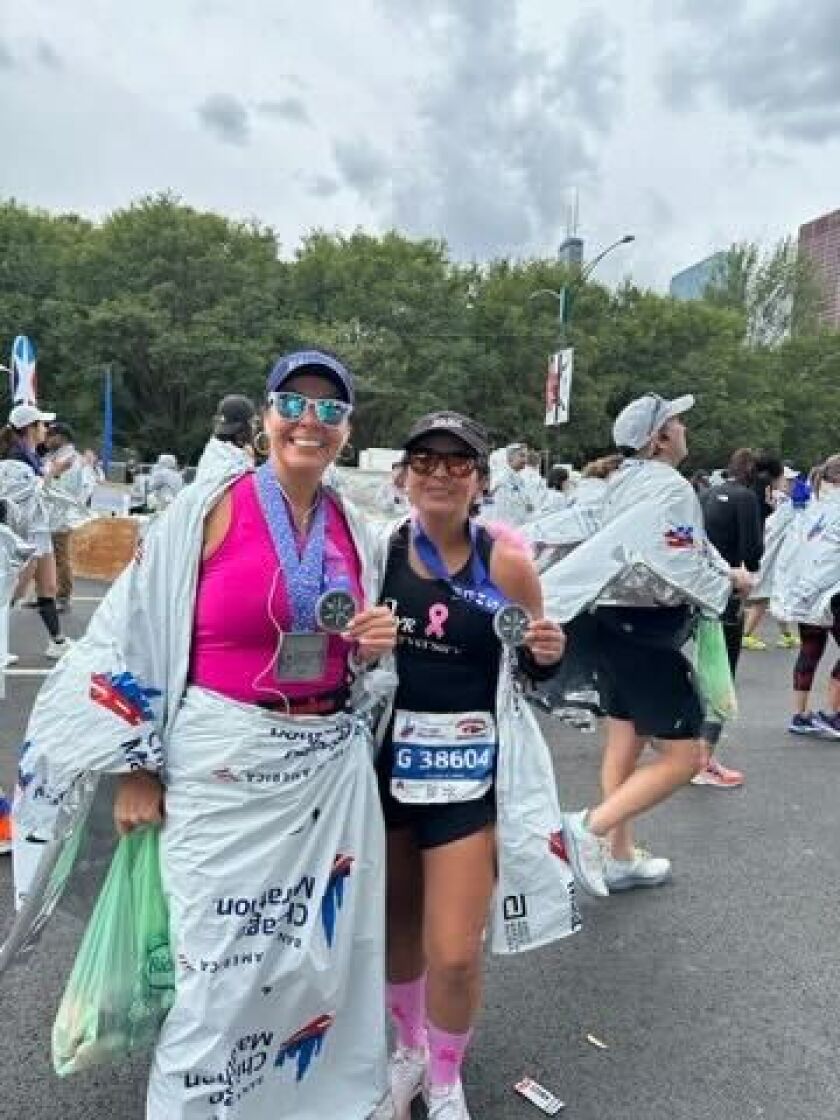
(334, 894)
(305, 1045)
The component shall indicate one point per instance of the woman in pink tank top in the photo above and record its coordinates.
(272, 844)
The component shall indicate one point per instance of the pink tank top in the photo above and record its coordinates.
(234, 641)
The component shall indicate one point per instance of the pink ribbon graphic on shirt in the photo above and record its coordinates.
(438, 614)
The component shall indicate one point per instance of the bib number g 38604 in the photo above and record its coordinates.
(441, 758)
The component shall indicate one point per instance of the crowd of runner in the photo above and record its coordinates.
(327, 713)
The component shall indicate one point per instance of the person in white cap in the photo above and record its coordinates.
(644, 573)
(512, 497)
(21, 480)
(165, 481)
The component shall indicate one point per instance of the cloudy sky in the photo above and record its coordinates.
(690, 123)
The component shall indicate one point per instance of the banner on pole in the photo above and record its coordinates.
(23, 377)
(558, 386)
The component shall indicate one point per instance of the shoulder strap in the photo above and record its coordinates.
(484, 542)
(397, 548)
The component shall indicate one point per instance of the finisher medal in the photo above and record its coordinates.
(510, 624)
(334, 611)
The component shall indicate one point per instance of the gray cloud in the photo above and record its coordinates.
(505, 129)
(780, 67)
(48, 56)
(323, 186)
(290, 109)
(226, 117)
(7, 59)
(662, 213)
(361, 166)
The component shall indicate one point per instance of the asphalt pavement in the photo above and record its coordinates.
(715, 997)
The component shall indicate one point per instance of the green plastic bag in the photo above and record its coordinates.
(122, 983)
(713, 672)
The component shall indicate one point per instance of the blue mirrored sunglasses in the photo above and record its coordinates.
(292, 406)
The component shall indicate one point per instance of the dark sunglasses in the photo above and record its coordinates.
(457, 464)
(293, 406)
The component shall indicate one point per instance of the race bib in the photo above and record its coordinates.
(443, 757)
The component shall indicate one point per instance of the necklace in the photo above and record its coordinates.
(301, 518)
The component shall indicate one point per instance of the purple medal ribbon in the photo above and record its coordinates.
(304, 573)
(482, 593)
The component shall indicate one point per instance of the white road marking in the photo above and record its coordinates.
(27, 672)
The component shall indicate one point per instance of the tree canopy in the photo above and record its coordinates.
(185, 307)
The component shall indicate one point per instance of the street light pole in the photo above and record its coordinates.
(565, 296)
(593, 264)
(565, 301)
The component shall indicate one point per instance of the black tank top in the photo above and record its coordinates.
(447, 653)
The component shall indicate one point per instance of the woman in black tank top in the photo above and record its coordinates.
(444, 580)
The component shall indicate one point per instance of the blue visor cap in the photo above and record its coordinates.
(315, 361)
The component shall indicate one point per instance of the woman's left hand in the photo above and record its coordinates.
(375, 632)
(545, 640)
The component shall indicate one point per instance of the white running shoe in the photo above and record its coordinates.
(406, 1072)
(585, 852)
(643, 870)
(11, 659)
(447, 1102)
(56, 650)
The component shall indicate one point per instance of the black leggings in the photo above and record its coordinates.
(814, 640)
(49, 616)
(732, 621)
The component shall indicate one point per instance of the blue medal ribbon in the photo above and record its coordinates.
(481, 593)
(304, 572)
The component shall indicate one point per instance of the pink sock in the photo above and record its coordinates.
(446, 1054)
(407, 1005)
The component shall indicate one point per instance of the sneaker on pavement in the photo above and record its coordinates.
(56, 650)
(715, 774)
(750, 641)
(406, 1073)
(643, 870)
(447, 1102)
(11, 659)
(585, 854)
(828, 724)
(804, 724)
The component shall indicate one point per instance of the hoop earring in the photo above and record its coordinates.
(262, 444)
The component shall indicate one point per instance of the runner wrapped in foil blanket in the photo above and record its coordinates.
(808, 570)
(779, 528)
(651, 550)
(272, 849)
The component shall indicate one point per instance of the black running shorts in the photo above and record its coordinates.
(651, 686)
(432, 825)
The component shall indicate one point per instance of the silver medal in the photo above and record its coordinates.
(510, 624)
(334, 611)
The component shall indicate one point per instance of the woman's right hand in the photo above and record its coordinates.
(742, 581)
(139, 801)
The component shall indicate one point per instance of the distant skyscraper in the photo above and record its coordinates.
(819, 241)
(571, 251)
(693, 281)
